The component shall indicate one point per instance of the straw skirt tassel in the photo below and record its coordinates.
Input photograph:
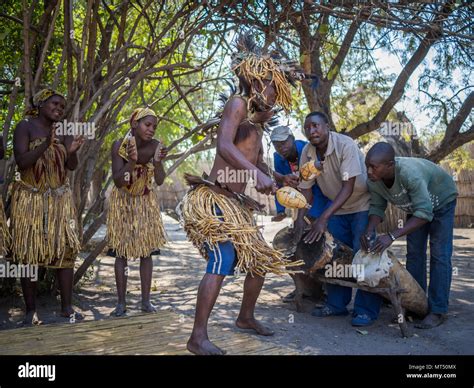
(5, 237)
(44, 227)
(236, 224)
(134, 225)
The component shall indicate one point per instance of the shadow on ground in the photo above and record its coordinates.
(179, 269)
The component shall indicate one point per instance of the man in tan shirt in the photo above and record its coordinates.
(344, 181)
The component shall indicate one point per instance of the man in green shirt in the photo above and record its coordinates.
(428, 194)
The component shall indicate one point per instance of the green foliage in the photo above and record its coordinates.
(359, 88)
(460, 160)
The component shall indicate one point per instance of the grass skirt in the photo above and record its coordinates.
(44, 226)
(236, 224)
(134, 225)
(5, 237)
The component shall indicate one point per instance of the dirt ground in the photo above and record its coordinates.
(178, 271)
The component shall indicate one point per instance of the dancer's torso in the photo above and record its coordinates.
(249, 142)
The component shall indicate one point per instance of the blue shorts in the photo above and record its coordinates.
(222, 258)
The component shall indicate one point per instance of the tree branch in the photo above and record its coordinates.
(402, 79)
(453, 138)
(335, 67)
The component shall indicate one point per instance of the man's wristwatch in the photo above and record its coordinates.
(391, 236)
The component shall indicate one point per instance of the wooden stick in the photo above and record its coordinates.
(89, 260)
(396, 301)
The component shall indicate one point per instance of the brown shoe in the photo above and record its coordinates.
(431, 320)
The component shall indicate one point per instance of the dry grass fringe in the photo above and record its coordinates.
(236, 224)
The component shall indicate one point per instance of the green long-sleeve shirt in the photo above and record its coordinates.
(420, 188)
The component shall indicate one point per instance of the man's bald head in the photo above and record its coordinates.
(381, 153)
(380, 162)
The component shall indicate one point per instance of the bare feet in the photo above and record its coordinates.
(432, 320)
(119, 311)
(204, 347)
(253, 324)
(147, 307)
(31, 319)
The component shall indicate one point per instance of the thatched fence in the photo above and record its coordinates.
(464, 214)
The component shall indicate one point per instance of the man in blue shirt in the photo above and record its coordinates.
(286, 161)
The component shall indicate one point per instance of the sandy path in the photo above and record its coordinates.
(179, 269)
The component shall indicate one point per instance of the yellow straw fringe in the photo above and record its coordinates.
(50, 167)
(5, 237)
(261, 68)
(237, 225)
(44, 226)
(134, 225)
